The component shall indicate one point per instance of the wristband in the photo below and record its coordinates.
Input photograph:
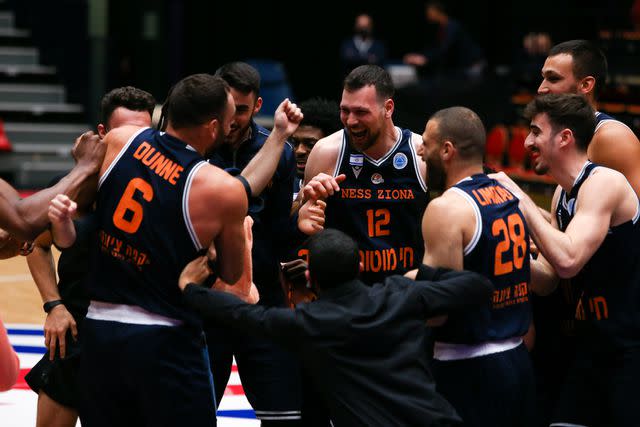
(48, 306)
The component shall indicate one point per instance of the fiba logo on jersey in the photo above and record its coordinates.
(376, 178)
(400, 161)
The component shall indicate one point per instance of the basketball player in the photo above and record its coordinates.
(593, 239)
(577, 67)
(159, 204)
(54, 377)
(481, 365)
(371, 177)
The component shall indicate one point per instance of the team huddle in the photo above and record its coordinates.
(173, 238)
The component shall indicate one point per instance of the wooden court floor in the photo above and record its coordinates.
(20, 301)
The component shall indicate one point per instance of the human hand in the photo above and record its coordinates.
(88, 151)
(508, 183)
(58, 322)
(9, 246)
(61, 212)
(195, 272)
(322, 186)
(311, 217)
(287, 118)
(294, 283)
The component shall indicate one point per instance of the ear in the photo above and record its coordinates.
(258, 105)
(587, 85)
(447, 150)
(566, 137)
(213, 128)
(102, 131)
(389, 106)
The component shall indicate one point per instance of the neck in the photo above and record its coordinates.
(188, 136)
(385, 141)
(565, 173)
(461, 171)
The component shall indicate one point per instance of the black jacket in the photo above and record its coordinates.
(363, 347)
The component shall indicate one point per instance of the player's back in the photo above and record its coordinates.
(499, 250)
(144, 230)
(380, 204)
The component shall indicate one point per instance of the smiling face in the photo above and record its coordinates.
(363, 116)
(303, 140)
(246, 107)
(557, 75)
(541, 143)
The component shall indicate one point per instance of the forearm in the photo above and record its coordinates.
(544, 279)
(556, 246)
(261, 168)
(64, 235)
(455, 290)
(232, 311)
(42, 268)
(29, 215)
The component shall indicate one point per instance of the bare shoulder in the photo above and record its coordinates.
(217, 189)
(613, 139)
(324, 155)
(604, 183)
(450, 208)
(614, 129)
(115, 140)
(416, 140)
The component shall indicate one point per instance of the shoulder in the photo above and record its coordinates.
(603, 183)
(218, 188)
(324, 155)
(119, 136)
(451, 207)
(614, 135)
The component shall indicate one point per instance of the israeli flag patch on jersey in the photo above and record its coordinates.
(356, 161)
(400, 161)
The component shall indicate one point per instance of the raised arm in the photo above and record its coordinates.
(261, 168)
(27, 218)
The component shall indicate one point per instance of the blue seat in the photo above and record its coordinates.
(274, 86)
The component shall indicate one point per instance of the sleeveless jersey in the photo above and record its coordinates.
(499, 250)
(602, 118)
(145, 234)
(608, 307)
(380, 205)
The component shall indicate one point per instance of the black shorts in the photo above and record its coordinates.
(58, 378)
(145, 375)
(270, 375)
(600, 390)
(495, 390)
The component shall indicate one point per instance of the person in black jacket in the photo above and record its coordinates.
(363, 346)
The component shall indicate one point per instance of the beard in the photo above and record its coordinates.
(436, 176)
(365, 144)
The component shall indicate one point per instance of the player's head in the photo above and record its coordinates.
(333, 258)
(202, 106)
(453, 136)
(367, 105)
(244, 81)
(559, 123)
(321, 118)
(574, 66)
(125, 106)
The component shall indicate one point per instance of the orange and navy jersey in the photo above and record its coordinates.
(145, 236)
(499, 250)
(380, 205)
(608, 306)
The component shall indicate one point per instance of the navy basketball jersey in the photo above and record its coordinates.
(145, 234)
(608, 285)
(602, 118)
(380, 205)
(499, 250)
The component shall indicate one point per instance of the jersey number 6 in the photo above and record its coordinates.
(128, 214)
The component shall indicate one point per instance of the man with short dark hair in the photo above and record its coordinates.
(125, 105)
(594, 240)
(363, 346)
